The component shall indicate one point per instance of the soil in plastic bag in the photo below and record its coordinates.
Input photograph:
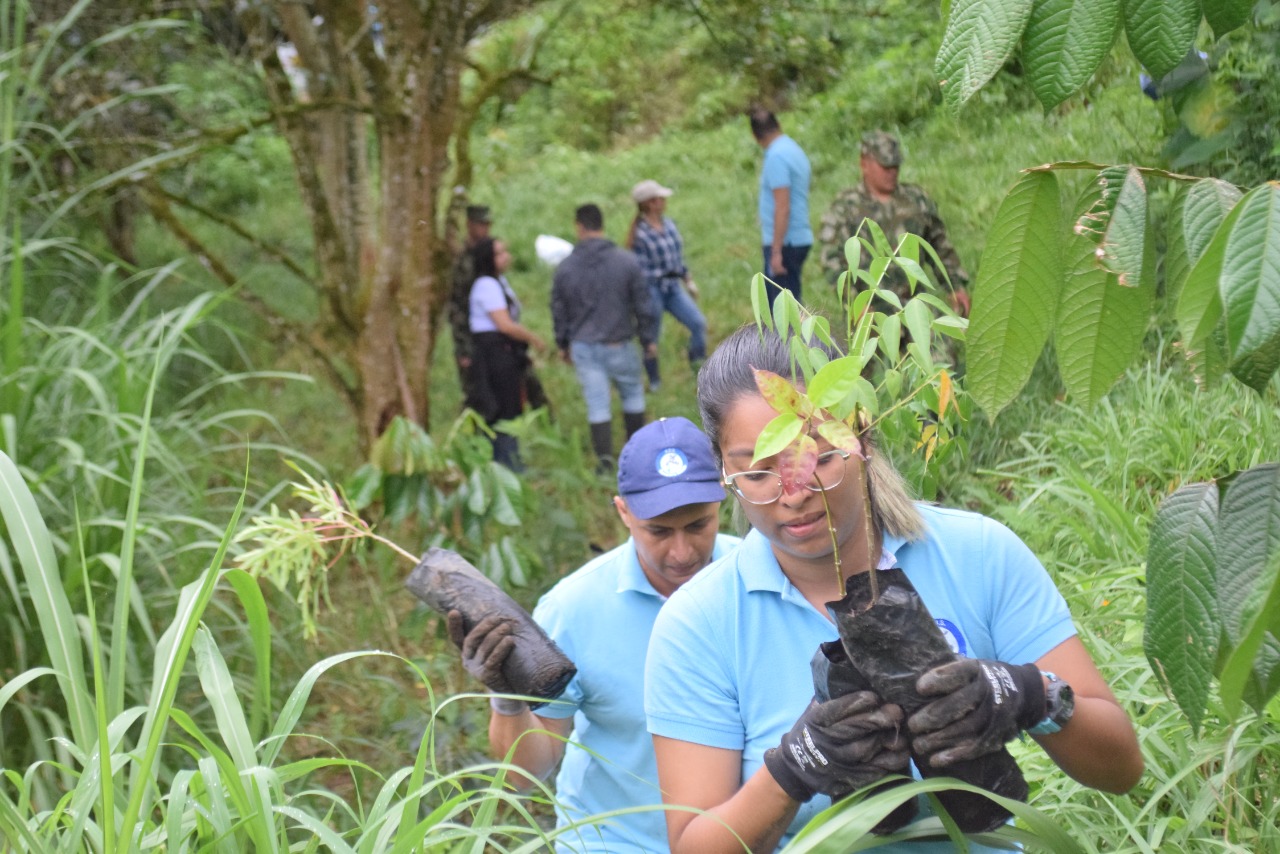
(536, 667)
(891, 642)
(835, 676)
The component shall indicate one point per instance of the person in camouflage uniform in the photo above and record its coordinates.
(898, 209)
(479, 222)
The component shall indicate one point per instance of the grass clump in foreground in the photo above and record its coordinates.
(171, 769)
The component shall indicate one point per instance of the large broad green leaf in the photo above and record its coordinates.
(1248, 557)
(1161, 31)
(1248, 540)
(1199, 308)
(1250, 287)
(1177, 259)
(1015, 295)
(1064, 43)
(1251, 671)
(1183, 625)
(1100, 324)
(1226, 15)
(1197, 212)
(980, 38)
(1124, 237)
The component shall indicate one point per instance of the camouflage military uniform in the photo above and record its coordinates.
(908, 211)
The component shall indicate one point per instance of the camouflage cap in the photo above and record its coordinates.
(479, 213)
(882, 147)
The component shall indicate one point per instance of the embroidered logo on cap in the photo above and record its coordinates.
(672, 462)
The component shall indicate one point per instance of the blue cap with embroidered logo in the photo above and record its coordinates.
(667, 464)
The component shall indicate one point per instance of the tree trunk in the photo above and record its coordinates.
(392, 76)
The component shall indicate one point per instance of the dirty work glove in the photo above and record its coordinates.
(980, 705)
(838, 746)
(484, 650)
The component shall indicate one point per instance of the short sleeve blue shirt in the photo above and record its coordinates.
(728, 662)
(601, 616)
(786, 165)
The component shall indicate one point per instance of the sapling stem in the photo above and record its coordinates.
(831, 529)
(872, 560)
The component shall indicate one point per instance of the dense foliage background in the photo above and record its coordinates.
(159, 366)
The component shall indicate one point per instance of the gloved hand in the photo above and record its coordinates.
(839, 746)
(981, 705)
(484, 648)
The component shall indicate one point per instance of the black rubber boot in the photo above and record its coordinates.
(632, 421)
(602, 444)
(651, 369)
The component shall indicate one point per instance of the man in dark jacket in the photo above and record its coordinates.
(599, 305)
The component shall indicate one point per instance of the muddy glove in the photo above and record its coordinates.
(981, 705)
(838, 746)
(484, 650)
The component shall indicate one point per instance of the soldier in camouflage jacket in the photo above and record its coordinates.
(898, 209)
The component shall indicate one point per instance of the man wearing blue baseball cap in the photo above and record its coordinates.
(669, 495)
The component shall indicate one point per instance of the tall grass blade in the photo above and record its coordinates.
(10, 392)
(291, 712)
(34, 548)
(259, 623)
(220, 690)
(107, 801)
(171, 335)
(171, 655)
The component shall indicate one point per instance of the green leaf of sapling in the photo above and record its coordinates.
(834, 382)
(777, 435)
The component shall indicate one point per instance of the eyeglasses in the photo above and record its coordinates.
(765, 487)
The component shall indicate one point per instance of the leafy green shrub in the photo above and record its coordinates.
(463, 500)
(1080, 485)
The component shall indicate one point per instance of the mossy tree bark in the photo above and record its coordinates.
(371, 135)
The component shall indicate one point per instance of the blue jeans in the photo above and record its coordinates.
(670, 295)
(600, 365)
(793, 259)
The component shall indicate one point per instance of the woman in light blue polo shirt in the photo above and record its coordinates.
(728, 687)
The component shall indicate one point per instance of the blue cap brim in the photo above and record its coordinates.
(664, 499)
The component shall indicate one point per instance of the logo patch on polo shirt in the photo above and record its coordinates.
(955, 639)
(672, 462)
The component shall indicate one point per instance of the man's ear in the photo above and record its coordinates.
(624, 513)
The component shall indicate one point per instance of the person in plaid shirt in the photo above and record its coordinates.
(656, 242)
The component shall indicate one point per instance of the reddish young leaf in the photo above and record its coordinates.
(840, 436)
(781, 394)
(797, 462)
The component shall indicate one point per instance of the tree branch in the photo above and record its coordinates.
(234, 226)
(158, 204)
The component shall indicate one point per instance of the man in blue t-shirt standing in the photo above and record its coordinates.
(784, 204)
(669, 495)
